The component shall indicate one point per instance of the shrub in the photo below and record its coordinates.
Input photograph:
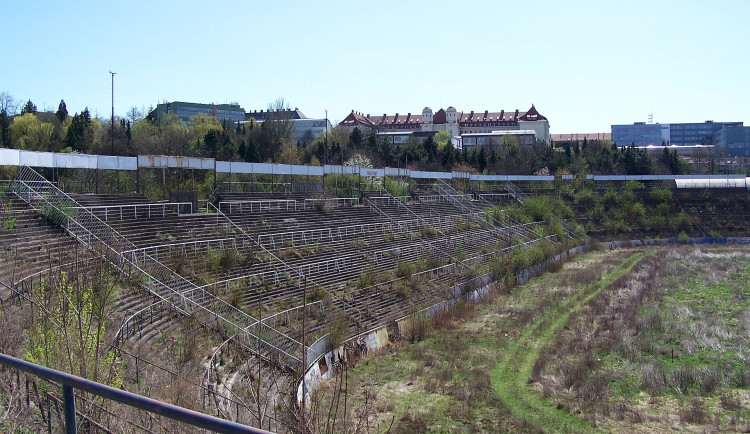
(405, 269)
(694, 412)
(585, 198)
(683, 237)
(427, 231)
(660, 195)
(611, 197)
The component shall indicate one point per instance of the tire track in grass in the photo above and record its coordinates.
(510, 377)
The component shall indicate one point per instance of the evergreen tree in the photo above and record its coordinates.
(5, 130)
(482, 160)
(80, 134)
(253, 156)
(28, 108)
(473, 158)
(242, 151)
(430, 148)
(355, 138)
(62, 112)
(493, 157)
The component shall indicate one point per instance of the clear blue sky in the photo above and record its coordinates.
(585, 65)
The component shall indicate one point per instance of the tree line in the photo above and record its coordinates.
(273, 140)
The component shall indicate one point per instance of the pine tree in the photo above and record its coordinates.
(253, 156)
(62, 112)
(242, 151)
(482, 160)
(28, 108)
(5, 130)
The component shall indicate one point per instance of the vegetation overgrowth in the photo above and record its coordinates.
(617, 341)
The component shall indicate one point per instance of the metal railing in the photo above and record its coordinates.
(259, 205)
(184, 248)
(70, 383)
(336, 202)
(119, 210)
(345, 306)
(158, 279)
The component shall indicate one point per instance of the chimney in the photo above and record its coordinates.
(395, 118)
(485, 115)
(368, 115)
(471, 116)
(515, 117)
(502, 115)
(408, 116)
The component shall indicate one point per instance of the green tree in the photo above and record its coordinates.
(80, 132)
(5, 122)
(252, 155)
(442, 139)
(430, 148)
(29, 107)
(482, 160)
(62, 112)
(30, 133)
(356, 138)
(69, 325)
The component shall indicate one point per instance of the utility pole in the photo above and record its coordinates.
(112, 134)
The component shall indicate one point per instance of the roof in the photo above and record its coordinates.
(532, 115)
(463, 118)
(287, 114)
(571, 137)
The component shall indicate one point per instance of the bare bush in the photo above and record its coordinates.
(694, 412)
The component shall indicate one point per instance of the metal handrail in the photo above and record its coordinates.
(180, 291)
(260, 204)
(194, 243)
(346, 304)
(71, 382)
(352, 201)
(135, 207)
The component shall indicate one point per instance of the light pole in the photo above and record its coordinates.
(112, 134)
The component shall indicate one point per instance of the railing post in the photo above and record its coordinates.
(69, 403)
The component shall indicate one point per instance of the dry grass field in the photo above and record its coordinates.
(616, 341)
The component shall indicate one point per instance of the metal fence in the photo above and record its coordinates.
(158, 279)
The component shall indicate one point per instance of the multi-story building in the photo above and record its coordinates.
(478, 126)
(186, 110)
(572, 139)
(731, 137)
(305, 129)
(640, 134)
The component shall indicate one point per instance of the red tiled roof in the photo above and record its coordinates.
(465, 119)
(439, 117)
(354, 119)
(532, 115)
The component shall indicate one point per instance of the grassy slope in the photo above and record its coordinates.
(444, 383)
(510, 378)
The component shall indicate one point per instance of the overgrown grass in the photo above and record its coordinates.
(511, 377)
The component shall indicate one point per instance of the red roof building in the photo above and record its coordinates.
(456, 123)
